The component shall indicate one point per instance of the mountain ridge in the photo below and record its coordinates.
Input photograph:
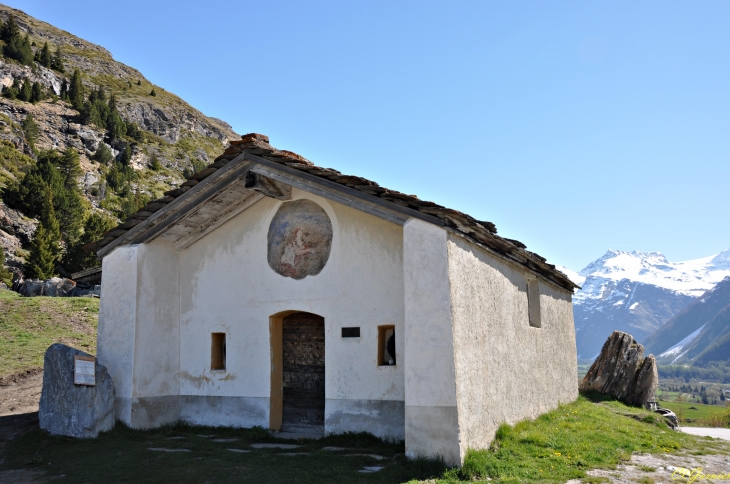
(637, 292)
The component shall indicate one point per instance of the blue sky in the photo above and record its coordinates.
(574, 126)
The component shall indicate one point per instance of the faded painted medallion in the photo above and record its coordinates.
(300, 239)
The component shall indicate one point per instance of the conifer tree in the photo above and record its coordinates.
(18, 48)
(155, 163)
(37, 93)
(70, 168)
(76, 91)
(126, 157)
(26, 91)
(9, 30)
(76, 258)
(45, 56)
(57, 61)
(152, 92)
(64, 90)
(5, 275)
(45, 246)
(103, 154)
(115, 126)
(139, 82)
(30, 130)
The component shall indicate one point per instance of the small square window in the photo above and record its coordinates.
(386, 345)
(533, 302)
(218, 351)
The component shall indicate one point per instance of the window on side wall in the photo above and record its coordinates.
(533, 302)
(386, 345)
(218, 351)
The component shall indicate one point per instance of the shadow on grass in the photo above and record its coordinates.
(184, 453)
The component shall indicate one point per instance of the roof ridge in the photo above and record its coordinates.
(482, 232)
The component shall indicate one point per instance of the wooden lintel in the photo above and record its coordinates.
(234, 209)
(187, 198)
(350, 197)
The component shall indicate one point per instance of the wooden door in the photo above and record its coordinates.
(303, 373)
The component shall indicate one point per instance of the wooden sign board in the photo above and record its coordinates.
(84, 370)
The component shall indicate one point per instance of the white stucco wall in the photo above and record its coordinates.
(227, 286)
(506, 370)
(431, 412)
(138, 337)
(117, 324)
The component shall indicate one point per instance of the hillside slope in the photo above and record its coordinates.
(699, 333)
(169, 136)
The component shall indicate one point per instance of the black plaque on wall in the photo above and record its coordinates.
(353, 332)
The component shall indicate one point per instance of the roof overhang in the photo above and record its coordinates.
(251, 170)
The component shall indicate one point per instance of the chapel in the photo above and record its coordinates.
(268, 291)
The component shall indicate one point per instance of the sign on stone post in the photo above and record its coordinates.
(84, 370)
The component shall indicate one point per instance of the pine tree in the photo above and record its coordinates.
(45, 56)
(37, 93)
(41, 263)
(152, 92)
(103, 154)
(70, 168)
(139, 82)
(64, 90)
(9, 30)
(26, 91)
(76, 258)
(155, 163)
(45, 247)
(126, 157)
(30, 130)
(19, 48)
(76, 91)
(57, 61)
(5, 275)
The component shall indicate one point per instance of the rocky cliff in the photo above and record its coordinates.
(175, 134)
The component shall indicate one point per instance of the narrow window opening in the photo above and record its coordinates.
(218, 351)
(533, 302)
(386, 345)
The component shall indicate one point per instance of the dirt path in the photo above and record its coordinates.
(661, 467)
(20, 394)
(19, 397)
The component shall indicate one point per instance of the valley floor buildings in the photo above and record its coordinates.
(269, 291)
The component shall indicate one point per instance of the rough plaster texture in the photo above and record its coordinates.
(506, 370)
(138, 336)
(117, 324)
(159, 308)
(225, 411)
(382, 418)
(429, 348)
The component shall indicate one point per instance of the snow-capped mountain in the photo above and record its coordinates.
(637, 292)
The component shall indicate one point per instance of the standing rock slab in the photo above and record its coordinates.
(69, 409)
(621, 371)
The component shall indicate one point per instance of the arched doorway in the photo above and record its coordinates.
(302, 373)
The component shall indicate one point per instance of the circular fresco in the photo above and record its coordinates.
(300, 239)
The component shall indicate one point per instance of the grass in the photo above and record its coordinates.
(558, 446)
(123, 455)
(28, 326)
(564, 444)
(696, 412)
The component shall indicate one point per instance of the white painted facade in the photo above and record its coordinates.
(468, 358)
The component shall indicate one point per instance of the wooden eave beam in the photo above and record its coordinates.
(345, 195)
(159, 221)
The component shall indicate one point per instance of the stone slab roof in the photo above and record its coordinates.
(256, 150)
